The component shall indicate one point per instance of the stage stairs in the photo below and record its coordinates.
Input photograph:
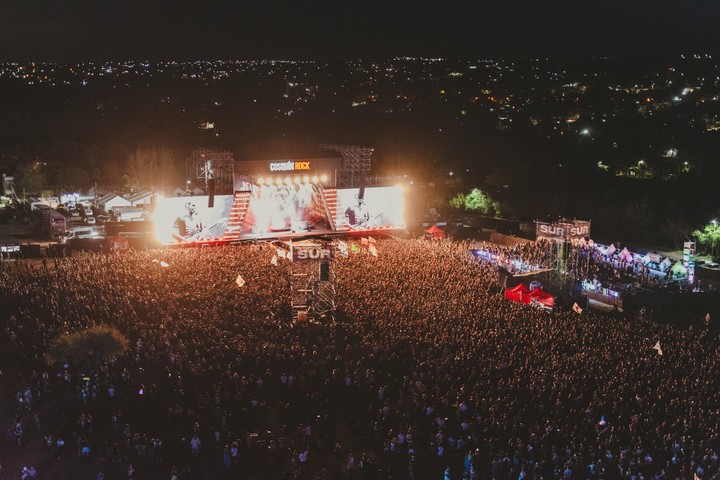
(238, 211)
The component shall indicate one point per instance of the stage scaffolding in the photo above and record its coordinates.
(312, 284)
(205, 165)
(356, 161)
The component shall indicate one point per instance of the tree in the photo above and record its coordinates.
(87, 347)
(709, 237)
(477, 201)
(71, 176)
(674, 231)
(30, 177)
(152, 168)
(458, 201)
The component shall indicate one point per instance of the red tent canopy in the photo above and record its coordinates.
(516, 293)
(541, 296)
(118, 243)
(435, 231)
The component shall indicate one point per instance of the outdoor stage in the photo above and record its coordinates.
(287, 210)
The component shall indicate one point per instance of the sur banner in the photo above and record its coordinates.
(567, 230)
(312, 253)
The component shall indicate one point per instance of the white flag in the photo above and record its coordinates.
(164, 264)
(371, 239)
(364, 241)
(273, 260)
(240, 281)
(576, 308)
(280, 253)
(342, 246)
(373, 250)
(611, 249)
(657, 347)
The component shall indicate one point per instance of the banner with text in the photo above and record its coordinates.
(574, 230)
(312, 253)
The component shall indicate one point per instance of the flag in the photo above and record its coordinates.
(658, 348)
(611, 249)
(591, 243)
(342, 245)
(602, 421)
(164, 264)
(240, 281)
(280, 253)
(364, 241)
(273, 260)
(373, 250)
(371, 239)
(354, 248)
(576, 308)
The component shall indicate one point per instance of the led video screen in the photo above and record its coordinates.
(380, 207)
(189, 219)
(279, 208)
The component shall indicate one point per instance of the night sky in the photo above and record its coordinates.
(77, 30)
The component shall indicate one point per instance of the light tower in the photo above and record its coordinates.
(356, 161)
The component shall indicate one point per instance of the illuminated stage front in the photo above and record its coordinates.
(278, 210)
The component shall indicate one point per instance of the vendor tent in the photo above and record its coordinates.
(665, 264)
(435, 231)
(516, 293)
(651, 257)
(118, 243)
(678, 271)
(626, 256)
(540, 297)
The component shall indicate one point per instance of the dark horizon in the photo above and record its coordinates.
(74, 31)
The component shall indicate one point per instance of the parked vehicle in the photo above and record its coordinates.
(85, 232)
(48, 223)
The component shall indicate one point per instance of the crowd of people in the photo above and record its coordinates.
(523, 257)
(427, 372)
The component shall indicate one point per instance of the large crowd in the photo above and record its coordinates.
(427, 373)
